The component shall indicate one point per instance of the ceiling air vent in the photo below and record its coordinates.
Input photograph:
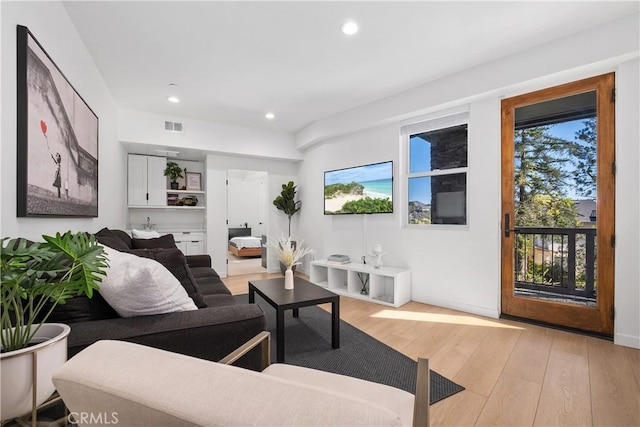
(173, 127)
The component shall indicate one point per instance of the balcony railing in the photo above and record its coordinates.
(557, 260)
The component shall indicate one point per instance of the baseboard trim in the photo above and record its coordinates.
(474, 309)
(626, 340)
(465, 308)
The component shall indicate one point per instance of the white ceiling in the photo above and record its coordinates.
(234, 61)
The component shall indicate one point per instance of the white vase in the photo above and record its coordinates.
(18, 366)
(288, 278)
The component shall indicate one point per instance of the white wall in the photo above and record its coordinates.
(451, 268)
(221, 138)
(460, 269)
(52, 27)
(278, 173)
(627, 268)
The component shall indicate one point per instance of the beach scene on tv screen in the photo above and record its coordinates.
(362, 189)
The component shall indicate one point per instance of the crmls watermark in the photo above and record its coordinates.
(102, 418)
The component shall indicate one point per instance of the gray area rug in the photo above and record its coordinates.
(308, 344)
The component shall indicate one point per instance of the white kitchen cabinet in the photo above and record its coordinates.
(195, 247)
(190, 243)
(146, 183)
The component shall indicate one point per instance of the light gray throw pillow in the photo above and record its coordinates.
(136, 286)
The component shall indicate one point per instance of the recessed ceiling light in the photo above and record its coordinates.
(173, 93)
(349, 28)
(270, 116)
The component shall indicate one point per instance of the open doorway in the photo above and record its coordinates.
(247, 203)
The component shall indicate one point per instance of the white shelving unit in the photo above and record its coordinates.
(200, 195)
(167, 208)
(147, 185)
(185, 191)
(387, 285)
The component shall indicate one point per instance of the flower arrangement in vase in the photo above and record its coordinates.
(289, 255)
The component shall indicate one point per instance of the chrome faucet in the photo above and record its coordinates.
(148, 226)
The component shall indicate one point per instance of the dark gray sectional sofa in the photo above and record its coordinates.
(219, 326)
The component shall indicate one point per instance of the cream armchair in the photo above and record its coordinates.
(116, 382)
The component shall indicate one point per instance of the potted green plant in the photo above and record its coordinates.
(286, 202)
(35, 278)
(173, 171)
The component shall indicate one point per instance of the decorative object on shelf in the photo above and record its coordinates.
(339, 258)
(173, 199)
(174, 171)
(188, 201)
(57, 150)
(286, 202)
(377, 256)
(35, 278)
(194, 180)
(364, 279)
(289, 255)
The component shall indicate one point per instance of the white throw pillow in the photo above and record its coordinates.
(136, 286)
(144, 234)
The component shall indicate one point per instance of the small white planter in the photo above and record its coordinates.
(18, 368)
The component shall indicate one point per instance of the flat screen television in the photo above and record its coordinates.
(366, 189)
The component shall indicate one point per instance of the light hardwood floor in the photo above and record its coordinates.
(515, 374)
(238, 266)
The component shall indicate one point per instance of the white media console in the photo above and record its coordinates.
(387, 285)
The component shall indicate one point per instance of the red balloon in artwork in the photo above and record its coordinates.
(43, 126)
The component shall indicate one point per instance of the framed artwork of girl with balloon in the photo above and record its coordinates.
(57, 139)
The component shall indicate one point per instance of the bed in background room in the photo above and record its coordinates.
(242, 244)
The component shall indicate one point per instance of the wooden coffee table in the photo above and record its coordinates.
(304, 294)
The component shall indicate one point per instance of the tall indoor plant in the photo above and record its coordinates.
(35, 278)
(286, 201)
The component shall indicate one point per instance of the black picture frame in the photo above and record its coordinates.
(57, 137)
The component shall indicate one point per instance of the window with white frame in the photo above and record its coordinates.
(436, 170)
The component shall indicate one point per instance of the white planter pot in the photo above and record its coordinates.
(18, 367)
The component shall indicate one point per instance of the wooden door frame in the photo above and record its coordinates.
(574, 316)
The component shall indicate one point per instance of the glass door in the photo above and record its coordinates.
(558, 205)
